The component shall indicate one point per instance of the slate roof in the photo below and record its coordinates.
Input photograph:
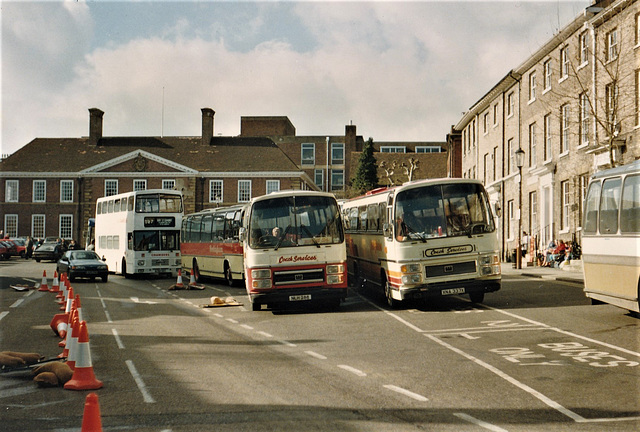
(224, 154)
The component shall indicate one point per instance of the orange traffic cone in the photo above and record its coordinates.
(59, 324)
(79, 308)
(83, 377)
(71, 349)
(66, 304)
(193, 284)
(55, 285)
(91, 421)
(43, 284)
(179, 283)
(63, 286)
(67, 342)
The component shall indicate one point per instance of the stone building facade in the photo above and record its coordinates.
(573, 108)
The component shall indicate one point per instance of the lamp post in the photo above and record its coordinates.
(519, 164)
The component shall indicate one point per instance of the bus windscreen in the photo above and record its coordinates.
(295, 221)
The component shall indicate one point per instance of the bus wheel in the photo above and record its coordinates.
(476, 297)
(228, 275)
(123, 268)
(393, 303)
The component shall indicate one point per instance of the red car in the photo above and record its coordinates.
(21, 246)
(11, 248)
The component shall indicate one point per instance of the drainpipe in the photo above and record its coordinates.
(328, 172)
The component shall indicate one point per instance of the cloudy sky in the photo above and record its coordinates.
(396, 70)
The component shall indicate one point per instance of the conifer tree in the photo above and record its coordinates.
(366, 175)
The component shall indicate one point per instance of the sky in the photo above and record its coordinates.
(399, 71)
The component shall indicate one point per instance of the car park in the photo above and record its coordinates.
(48, 252)
(82, 264)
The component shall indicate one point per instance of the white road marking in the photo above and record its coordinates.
(3, 314)
(118, 340)
(146, 396)
(406, 392)
(475, 421)
(316, 355)
(353, 370)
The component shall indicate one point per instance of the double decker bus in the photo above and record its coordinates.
(139, 232)
(210, 243)
(611, 237)
(424, 239)
(294, 249)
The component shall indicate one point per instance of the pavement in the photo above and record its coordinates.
(569, 273)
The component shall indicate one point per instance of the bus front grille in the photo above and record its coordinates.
(160, 262)
(441, 270)
(298, 276)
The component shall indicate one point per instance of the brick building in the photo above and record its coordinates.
(566, 107)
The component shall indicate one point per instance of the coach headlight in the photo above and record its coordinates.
(490, 265)
(335, 269)
(261, 274)
(141, 262)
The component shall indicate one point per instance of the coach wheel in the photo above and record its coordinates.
(228, 275)
(476, 297)
(393, 303)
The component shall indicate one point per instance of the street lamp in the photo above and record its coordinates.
(519, 164)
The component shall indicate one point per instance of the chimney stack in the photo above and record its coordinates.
(95, 125)
(207, 125)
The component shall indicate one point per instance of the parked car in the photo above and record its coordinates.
(12, 248)
(48, 252)
(82, 263)
(21, 246)
(4, 252)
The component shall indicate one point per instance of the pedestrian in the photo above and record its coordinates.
(92, 245)
(29, 248)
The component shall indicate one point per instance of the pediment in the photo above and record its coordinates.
(138, 161)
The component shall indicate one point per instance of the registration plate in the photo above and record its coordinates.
(453, 291)
(300, 297)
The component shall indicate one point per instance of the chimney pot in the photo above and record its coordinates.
(95, 125)
(207, 125)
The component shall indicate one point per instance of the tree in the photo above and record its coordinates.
(366, 175)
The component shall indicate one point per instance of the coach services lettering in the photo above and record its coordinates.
(448, 250)
(297, 258)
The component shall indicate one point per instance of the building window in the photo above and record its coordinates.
(485, 123)
(612, 45)
(318, 178)
(637, 32)
(428, 149)
(566, 205)
(547, 75)
(495, 162)
(393, 149)
(547, 137)
(110, 187)
(273, 186)
(337, 153)
(533, 213)
(584, 119)
(337, 179)
(39, 191)
(11, 225)
(139, 185)
(584, 48)
(216, 191)
(532, 145)
(495, 114)
(511, 157)
(511, 216)
(637, 96)
(11, 191)
(583, 183)
(308, 154)
(244, 190)
(564, 124)
(66, 190)
(611, 95)
(66, 226)
(564, 62)
(168, 184)
(510, 104)
(485, 161)
(37, 226)
(532, 86)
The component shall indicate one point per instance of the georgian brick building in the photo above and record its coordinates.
(50, 186)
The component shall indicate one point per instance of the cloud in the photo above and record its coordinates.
(399, 71)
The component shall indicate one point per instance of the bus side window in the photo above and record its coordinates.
(205, 228)
(372, 213)
(609, 204)
(130, 204)
(99, 208)
(362, 216)
(630, 213)
(353, 218)
(218, 227)
(123, 204)
(382, 214)
(591, 208)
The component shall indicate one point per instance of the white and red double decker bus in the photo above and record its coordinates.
(294, 249)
